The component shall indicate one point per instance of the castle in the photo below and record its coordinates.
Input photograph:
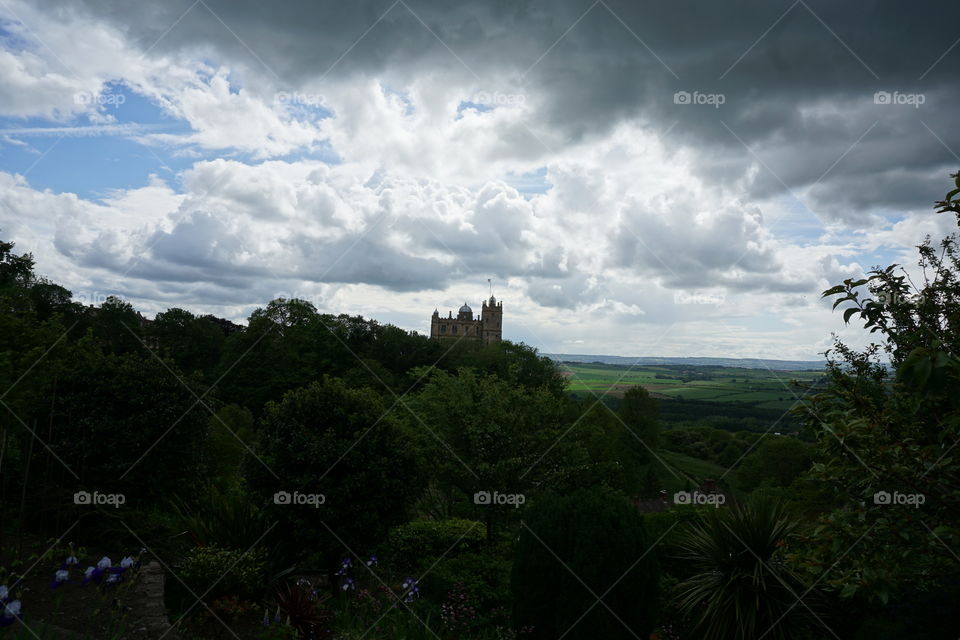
(487, 327)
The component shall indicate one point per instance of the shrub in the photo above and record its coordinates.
(574, 549)
(224, 572)
(739, 586)
(484, 577)
(410, 544)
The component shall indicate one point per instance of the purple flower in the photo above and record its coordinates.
(412, 590)
(11, 612)
(347, 584)
(4, 592)
(92, 574)
(372, 562)
(59, 578)
(105, 563)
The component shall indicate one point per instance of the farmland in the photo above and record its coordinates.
(761, 388)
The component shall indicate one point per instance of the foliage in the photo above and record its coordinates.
(226, 519)
(303, 608)
(410, 543)
(479, 433)
(212, 572)
(775, 462)
(574, 549)
(340, 443)
(482, 576)
(886, 434)
(739, 586)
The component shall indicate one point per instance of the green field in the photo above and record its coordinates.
(761, 388)
(682, 467)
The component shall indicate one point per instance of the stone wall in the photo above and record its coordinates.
(147, 616)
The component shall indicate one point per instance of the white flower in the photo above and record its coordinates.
(12, 610)
(86, 574)
(127, 562)
(72, 560)
(3, 591)
(62, 575)
(105, 563)
(112, 577)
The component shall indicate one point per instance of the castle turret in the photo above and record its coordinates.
(492, 320)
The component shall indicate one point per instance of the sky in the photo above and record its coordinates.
(634, 178)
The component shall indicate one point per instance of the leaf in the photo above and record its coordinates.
(832, 291)
(848, 313)
(849, 590)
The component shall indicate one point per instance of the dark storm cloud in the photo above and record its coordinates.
(797, 78)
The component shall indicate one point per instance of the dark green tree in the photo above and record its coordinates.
(195, 344)
(330, 440)
(574, 549)
(482, 433)
(775, 462)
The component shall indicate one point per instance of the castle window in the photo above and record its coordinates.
(443, 328)
(454, 329)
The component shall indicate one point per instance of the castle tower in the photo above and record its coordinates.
(492, 320)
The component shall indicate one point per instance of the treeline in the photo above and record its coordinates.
(103, 398)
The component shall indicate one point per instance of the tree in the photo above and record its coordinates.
(574, 549)
(775, 462)
(481, 433)
(195, 344)
(886, 433)
(117, 326)
(327, 439)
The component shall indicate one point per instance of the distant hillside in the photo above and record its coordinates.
(745, 363)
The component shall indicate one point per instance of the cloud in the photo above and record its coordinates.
(349, 148)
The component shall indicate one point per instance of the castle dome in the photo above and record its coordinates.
(466, 308)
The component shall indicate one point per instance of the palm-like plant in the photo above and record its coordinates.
(740, 588)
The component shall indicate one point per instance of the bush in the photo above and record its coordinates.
(408, 545)
(203, 568)
(485, 577)
(576, 548)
